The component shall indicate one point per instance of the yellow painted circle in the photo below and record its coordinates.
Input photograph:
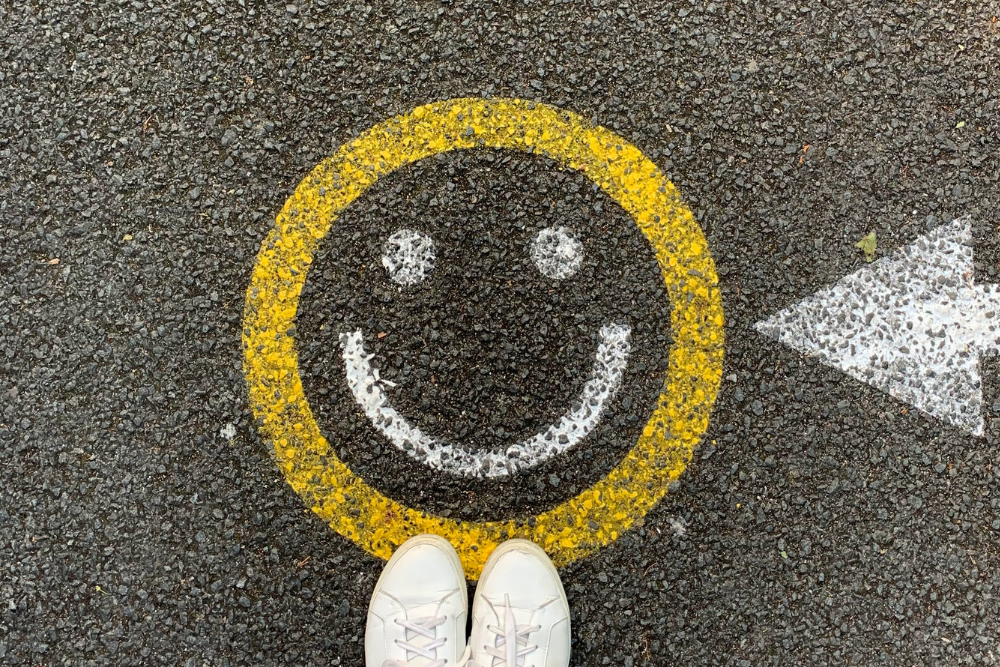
(598, 515)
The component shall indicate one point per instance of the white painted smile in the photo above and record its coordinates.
(584, 415)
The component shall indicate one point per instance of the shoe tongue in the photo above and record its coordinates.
(420, 661)
(522, 617)
(414, 613)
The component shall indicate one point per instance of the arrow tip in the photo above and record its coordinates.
(909, 324)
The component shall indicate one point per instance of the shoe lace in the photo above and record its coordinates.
(420, 627)
(510, 645)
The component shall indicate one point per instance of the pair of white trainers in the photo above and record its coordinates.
(417, 617)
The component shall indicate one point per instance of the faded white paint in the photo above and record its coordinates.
(557, 253)
(408, 256)
(605, 379)
(913, 325)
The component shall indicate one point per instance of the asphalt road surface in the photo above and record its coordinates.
(145, 152)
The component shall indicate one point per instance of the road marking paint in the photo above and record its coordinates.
(408, 256)
(557, 253)
(912, 324)
(572, 427)
(599, 514)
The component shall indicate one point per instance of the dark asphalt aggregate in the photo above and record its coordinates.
(145, 150)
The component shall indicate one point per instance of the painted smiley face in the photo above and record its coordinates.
(331, 455)
(488, 312)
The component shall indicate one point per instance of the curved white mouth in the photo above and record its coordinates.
(605, 378)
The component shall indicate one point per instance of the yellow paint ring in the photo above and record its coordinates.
(580, 525)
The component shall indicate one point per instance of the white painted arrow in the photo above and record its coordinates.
(912, 324)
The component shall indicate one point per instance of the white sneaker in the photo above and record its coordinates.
(520, 616)
(418, 610)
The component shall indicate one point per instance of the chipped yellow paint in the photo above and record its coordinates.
(598, 515)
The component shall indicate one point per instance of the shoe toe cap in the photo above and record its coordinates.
(527, 579)
(423, 574)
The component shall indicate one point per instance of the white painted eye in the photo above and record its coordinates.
(408, 256)
(557, 253)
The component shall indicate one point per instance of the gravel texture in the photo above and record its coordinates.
(145, 150)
